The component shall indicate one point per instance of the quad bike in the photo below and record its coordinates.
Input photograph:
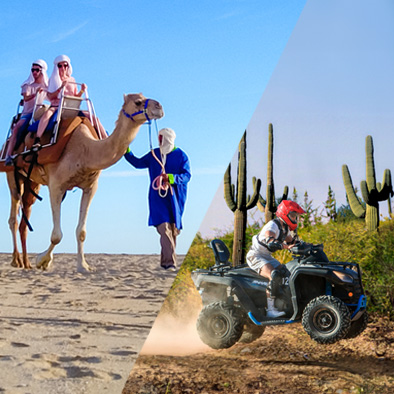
(327, 297)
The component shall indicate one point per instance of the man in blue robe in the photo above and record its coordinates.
(169, 172)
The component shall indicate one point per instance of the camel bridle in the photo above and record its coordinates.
(142, 111)
(157, 183)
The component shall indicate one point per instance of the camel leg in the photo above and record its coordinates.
(13, 224)
(13, 220)
(45, 259)
(28, 200)
(87, 196)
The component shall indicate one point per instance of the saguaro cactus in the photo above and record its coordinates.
(269, 206)
(242, 203)
(372, 191)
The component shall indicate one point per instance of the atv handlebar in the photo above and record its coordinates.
(305, 249)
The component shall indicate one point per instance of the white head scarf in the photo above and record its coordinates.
(55, 81)
(44, 68)
(168, 143)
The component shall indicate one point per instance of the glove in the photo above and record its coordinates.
(274, 246)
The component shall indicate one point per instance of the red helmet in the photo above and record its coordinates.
(285, 208)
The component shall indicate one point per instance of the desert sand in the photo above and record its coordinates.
(65, 332)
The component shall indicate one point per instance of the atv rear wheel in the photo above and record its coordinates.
(251, 332)
(326, 319)
(220, 325)
(357, 326)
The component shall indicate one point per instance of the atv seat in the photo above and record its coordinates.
(220, 251)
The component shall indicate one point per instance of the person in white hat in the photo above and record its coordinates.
(169, 172)
(60, 78)
(34, 86)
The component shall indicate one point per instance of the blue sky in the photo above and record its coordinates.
(332, 86)
(207, 62)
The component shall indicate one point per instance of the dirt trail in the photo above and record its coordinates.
(284, 360)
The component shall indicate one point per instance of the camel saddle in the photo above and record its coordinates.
(52, 153)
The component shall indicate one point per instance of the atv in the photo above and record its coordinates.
(327, 297)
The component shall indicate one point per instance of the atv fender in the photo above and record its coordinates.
(361, 308)
(316, 272)
(243, 298)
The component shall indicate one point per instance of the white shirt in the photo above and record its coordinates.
(259, 249)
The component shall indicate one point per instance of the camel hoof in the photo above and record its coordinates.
(26, 263)
(44, 261)
(85, 269)
(16, 261)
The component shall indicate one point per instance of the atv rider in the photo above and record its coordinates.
(275, 235)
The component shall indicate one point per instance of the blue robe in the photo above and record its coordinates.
(170, 208)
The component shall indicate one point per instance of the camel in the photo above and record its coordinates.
(79, 166)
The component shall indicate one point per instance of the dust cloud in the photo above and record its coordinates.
(173, 336)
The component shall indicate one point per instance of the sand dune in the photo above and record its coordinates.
(65, 332)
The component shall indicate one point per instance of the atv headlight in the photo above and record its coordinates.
(344, 277)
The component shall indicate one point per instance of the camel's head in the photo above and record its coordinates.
(140, 109)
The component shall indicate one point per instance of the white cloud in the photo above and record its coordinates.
(63, 36)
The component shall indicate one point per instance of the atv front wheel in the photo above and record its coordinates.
(220, 325)
(251, 332)
(357, 326)
(326, 319)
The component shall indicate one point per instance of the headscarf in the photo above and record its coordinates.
(55, 81)
(44, 68)
(168, 143)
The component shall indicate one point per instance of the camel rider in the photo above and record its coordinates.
(61, 80)
(33, 92)
(275, 235)
(169, 167)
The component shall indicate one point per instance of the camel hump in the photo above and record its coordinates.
(51, 154)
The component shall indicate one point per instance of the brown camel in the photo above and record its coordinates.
(79, 166)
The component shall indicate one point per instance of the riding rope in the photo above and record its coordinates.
(157, 183)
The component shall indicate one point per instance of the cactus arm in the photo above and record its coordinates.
(260, 200)
(229, 190)
(365, 193)
(354, 202)
(284, 197)
(370, 166)
(255, 196)
(285, 193)
(386, 189)
(260, 206)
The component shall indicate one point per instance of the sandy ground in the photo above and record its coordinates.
(65, 332)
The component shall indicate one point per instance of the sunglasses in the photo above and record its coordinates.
(62, 65)
(35, 70)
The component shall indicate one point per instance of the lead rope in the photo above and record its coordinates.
(157, 183)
